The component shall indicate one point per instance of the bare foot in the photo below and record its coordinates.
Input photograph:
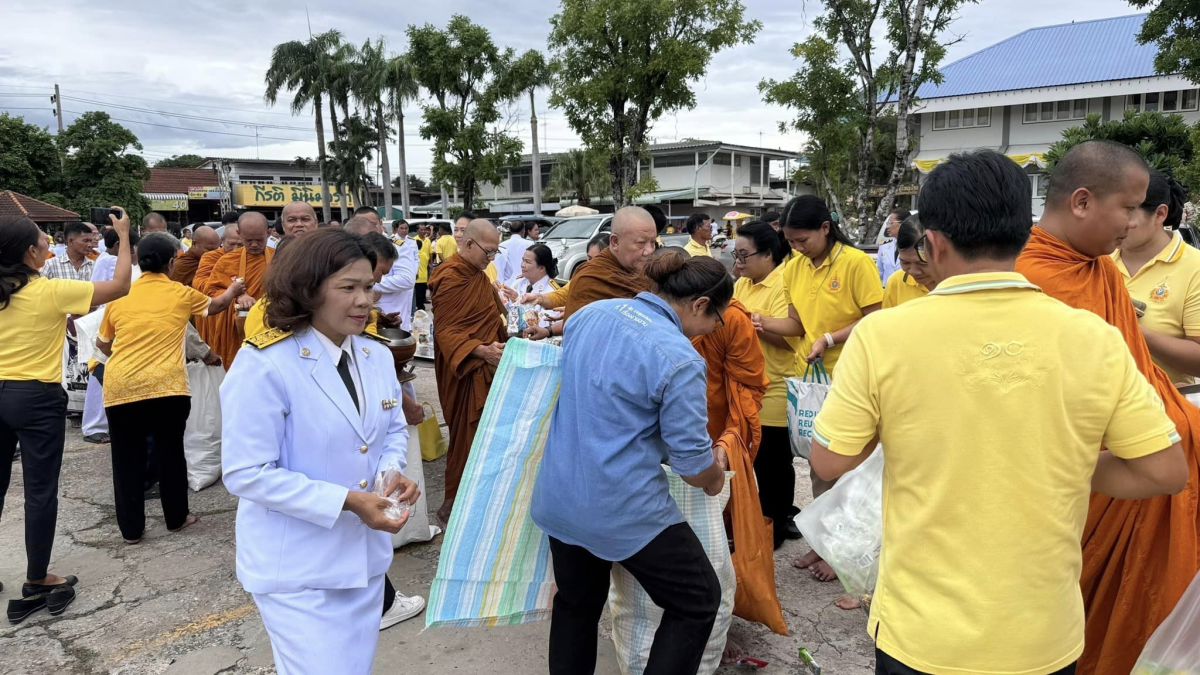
(847, 602)
(807, 560)
(732, 652)
(821, 571)
(191, 520)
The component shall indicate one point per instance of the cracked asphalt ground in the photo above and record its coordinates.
(172, 604)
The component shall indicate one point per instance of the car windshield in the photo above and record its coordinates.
(576, 228)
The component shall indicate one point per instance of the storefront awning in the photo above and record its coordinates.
(167, 201)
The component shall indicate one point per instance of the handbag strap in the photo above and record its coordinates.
(817, 368)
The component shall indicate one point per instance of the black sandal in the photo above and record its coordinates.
(29, 590)
(19, 610)
(58, 599)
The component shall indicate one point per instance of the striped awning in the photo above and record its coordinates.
(164, 196)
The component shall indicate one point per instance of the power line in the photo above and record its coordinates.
(205, 131)
(197, 118)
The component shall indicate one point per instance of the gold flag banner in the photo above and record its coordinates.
(255, 194)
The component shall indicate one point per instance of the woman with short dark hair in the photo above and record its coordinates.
(146, 392)
(313, 432)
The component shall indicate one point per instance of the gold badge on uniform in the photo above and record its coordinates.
(835, 284)
(1160, 292)
(389, 403)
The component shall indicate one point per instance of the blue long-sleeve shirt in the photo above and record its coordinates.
(633, 398)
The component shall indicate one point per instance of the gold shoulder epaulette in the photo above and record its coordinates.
(267, 338)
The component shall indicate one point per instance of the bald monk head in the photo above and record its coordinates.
(253, 228)
(633, 235)
(232, 239)
(372, 217)
(359, 225)
(480, 242)
(298, 218)
(1094, 192)
(204, 239)
(153, 222)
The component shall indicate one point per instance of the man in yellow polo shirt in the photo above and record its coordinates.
(1027, 406)
(700, 227)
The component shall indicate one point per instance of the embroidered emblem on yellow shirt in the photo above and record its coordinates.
(835, 284)
(1160, 292)
(1004, 366)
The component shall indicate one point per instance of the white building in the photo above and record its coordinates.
(1019, 95)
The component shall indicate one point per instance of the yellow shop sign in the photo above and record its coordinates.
(254, 194)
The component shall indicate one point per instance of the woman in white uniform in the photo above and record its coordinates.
(538, 269)
(312, 420)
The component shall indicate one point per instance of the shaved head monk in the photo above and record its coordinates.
(248, 264)
(467, 344)
(1138, 556)
(153, 222)
(617, 271)
(204, 239)
(231, 241)
(298, 218)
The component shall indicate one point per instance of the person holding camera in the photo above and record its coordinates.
(33, 404)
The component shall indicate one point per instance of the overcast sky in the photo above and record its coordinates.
(208, 59)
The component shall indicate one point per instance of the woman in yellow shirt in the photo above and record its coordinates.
(33, 405)
(145, 383)
(1163, 273)
(913, 280)
(759, 256)
(831, 286)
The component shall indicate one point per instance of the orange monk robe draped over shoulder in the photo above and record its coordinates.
(602, 278)
(466, 311)
(226, 338)
(186, 264)
(1138, 556)
(737, 381)
(206, 326)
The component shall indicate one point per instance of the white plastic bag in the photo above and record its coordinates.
(845, 525)
(202, 434)
(1174, 649)
(805, 396)
(417, 529)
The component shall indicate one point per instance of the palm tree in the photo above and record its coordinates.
(578, 174)
(337, 72)
(297, 66)
(402, 86)
(370, 89)
(351, 154)
(303, 163)
(530, 72)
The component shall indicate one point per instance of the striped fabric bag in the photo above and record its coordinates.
(495, 563)
(635, 617)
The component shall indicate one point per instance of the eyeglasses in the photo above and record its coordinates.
(919, 247)
(490, 253)
(741, 258)
(720, 319)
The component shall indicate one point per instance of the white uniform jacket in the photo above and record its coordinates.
(293, 446)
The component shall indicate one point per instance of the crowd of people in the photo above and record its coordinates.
(1020, 380)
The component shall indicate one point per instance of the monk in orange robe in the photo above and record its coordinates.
(617, 271)
(204, 239)
(248, 264)
(468, 342)
(1138, 556)
(737, 381)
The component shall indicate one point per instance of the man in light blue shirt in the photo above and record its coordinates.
(886, 260)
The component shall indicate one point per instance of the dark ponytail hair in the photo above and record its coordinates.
(17, 234)
(766, 240)
(677, 277)
(809, 212)
(544, 258)
(1165, 190)
(909, 234)
(156, 251)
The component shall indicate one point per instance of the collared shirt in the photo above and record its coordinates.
(830, 297)
(335, 352)
(695, 248)
(769, 298)
(61, 267)
(508, 260)
(396, 287)
(423, 255)
(1169, 284)
(901, 288)
(886, 261)
(602, 484)
(988, 468)
(33, 326)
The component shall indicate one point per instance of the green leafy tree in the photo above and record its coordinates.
(184, 161)
(415, 182)
(467, 78)
(350, 154)
(101, 167)
(579, 175)
(1166, 142)
(1174, 25)
(296, 67)
(620, 65)
(29, 160)
(647, 184)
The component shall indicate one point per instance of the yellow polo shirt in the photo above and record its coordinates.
(901, 288)
(34, 324)
(423, 255)
(445, 247)
(146, 330)
(1170, 286)
(989, 469)
(695, 248)
(491, 272)
(770, 298)
(256, 318)
(830, 297)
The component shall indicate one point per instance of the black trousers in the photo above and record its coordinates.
(129, 426)
(886, 665)
(419, 295)
(35, 413)
(677, 576)
(776, 479)
(389, 594)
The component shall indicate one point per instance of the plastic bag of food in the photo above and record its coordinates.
(422, 328)
(1174, 649)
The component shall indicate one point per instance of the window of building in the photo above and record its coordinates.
(296, 180)
(1150, 102)
(1056, 111)
(1031, 113)
(1064, 110)
(246, 178)
(1166, 101)
(983, 117)
(1190, 98)
(963, 119)
(520, 180)
(1079, 111)
(939, 120)
(756, 171)
(955, 119)
(668, 161)
(1133, 102)
(723, 159)
(1047, 112)
(968, 117)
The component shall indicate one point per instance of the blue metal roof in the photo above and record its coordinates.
(1049, 56)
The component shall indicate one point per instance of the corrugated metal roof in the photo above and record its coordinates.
(1050, 56)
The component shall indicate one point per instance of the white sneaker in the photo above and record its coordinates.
(403, 608)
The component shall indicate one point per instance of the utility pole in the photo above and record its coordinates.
(57, 100)
(536, 169)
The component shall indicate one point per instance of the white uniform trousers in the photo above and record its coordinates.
(323, 631)
(94, 419)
